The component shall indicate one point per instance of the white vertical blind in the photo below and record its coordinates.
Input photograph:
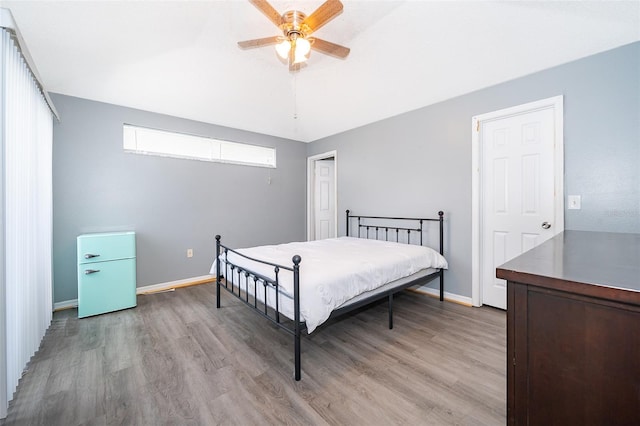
(26, 136)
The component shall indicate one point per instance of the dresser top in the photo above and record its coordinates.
(604, 259)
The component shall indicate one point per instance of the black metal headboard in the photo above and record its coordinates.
(380, 224)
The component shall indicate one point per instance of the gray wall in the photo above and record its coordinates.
(172, 204)
(413, 164)
(420, 162)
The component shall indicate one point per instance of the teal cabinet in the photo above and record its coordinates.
(106, 272)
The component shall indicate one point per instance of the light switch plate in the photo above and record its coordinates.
(574, 202)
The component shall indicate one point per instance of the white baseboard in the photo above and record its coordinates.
(155, 288)
(451, 297)
(66, 304)
(147, 289)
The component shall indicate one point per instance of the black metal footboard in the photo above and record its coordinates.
(245, 284)
(250, 286)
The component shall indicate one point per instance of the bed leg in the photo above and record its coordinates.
(441, 222)
(296, 314)
(217, 271)
(218, 292)
(391, 311)
(298, 374)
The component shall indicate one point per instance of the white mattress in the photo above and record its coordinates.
(333, 272)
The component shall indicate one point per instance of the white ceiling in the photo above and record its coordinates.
(181, 58)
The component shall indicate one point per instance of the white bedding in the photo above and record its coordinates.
(335, 270)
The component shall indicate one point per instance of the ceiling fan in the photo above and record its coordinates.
(295, 43)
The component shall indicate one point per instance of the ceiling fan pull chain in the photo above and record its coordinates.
(294, 82)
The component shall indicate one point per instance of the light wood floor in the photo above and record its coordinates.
(175, 359)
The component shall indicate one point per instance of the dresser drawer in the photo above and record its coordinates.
(106, 246)
(106, 286)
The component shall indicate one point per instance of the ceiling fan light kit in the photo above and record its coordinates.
(299, 46)
(283, 48)
(295, 44)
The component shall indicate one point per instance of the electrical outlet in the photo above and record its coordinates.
(575, 202)
(189, 252)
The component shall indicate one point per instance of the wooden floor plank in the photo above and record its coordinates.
(176, 359)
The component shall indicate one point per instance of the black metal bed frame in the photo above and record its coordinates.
(245, 284)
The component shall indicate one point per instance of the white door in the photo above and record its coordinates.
(519, 198)
(324, 206)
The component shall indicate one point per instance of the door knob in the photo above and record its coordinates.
(546, 225)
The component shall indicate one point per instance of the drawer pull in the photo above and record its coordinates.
(91, 271)
(90, 256)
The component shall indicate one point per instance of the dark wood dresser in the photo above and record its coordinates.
(573, 331)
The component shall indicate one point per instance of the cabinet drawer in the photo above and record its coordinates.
(106, 286)
(107, 246)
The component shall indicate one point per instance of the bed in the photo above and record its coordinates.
(298, 286)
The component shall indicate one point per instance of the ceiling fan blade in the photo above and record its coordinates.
(326, 12)
(258, 42)
(268, 10)
(329, 48)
